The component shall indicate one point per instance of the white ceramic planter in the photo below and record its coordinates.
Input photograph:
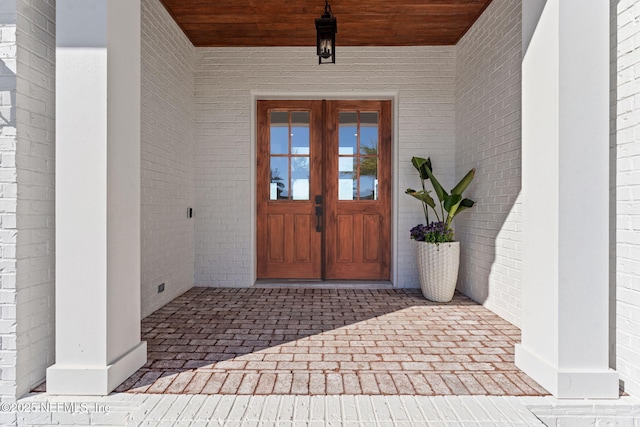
(438, 267)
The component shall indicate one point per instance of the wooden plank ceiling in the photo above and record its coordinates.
(291, 22)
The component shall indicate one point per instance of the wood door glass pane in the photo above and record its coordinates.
(300, 178)
(289, 158)
(358, 155)
(279, 188)
(279, 132)
(368, 178)
(300, 132)
(369, 133)
(348, 136)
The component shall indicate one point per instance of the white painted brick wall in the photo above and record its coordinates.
(34, 160)
(8, 205)
(27, 61)
(628, 195)
(168, 116)
(423, 77)
(488, 105)
(584, 412)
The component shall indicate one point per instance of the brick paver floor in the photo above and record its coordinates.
(327, 342)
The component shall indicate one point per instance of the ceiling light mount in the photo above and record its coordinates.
(326, 29)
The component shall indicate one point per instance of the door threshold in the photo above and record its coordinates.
(322, 284)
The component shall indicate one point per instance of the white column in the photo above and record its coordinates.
(97, 196)
(565, 185)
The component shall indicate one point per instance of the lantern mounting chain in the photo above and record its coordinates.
(327, 9)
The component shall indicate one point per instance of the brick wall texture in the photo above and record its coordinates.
(35, 165)
(488, 110)
(168, 116)
(628, 195)
(8, 204)
(27, 153)
(423, 78)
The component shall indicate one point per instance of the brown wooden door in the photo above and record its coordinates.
(324, 190)
(289, 176)
(358, 189)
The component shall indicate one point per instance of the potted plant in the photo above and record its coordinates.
(438, 254)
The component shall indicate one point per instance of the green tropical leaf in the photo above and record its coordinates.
(423, 169)
(462, 206)
(436, 186)
(423, 196)
(466, 203)
(451, 201)
(428, 200)
(417, 162)
(421, 164)
(464, 182)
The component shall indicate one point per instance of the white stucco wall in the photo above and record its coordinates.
(423, 78)
(488, 107)
(168, 130)
(628, 196)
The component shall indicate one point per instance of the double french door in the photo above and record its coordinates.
(324, 190)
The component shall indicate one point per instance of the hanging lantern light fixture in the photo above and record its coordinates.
(326, 29)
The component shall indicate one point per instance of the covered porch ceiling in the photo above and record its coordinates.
(219, 23)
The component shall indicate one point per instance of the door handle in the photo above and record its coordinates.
(319, 214)
(319, 219)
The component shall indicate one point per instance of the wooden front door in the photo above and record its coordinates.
(324, 190)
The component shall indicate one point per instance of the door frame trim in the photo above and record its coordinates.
(393, 96)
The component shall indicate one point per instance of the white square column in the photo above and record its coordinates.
(565, 185)
(97, 196)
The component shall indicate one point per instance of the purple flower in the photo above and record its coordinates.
(436, 232)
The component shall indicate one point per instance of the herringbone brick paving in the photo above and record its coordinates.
(327, 342)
